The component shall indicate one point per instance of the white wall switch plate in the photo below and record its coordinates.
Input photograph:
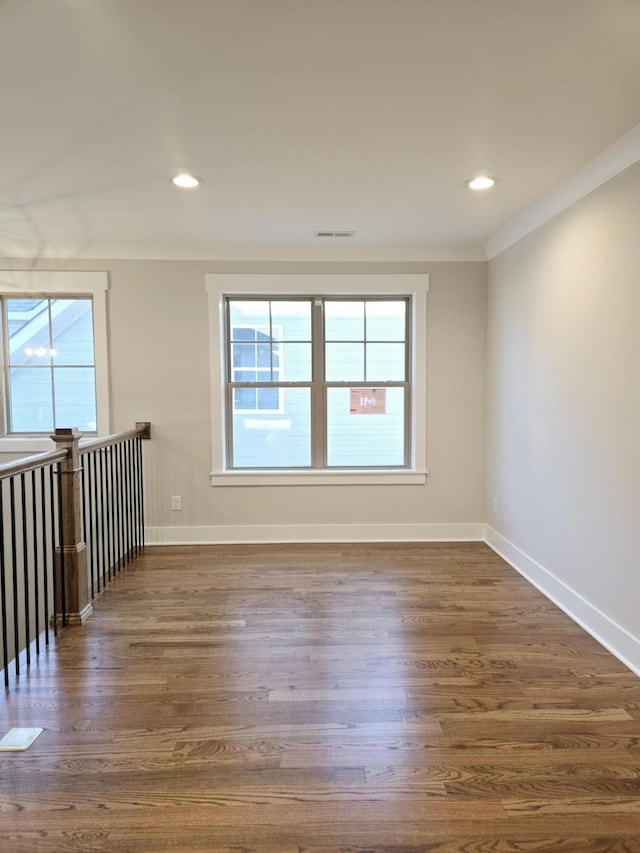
(17, 740)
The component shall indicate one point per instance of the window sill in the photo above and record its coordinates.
(318, 478)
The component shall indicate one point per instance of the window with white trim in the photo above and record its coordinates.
(53, 327)
(343, 401)
(341, 371)
(49, 364)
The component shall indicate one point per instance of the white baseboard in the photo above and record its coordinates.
(259, 534)
(608, 633)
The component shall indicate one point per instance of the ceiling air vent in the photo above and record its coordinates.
(334, 234)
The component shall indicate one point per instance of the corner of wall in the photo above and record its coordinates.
(622, 645)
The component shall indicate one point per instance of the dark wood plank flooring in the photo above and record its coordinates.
(324, 699)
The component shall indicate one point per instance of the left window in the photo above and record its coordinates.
(53, 352)
(49, 365)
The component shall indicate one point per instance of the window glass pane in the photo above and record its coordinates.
(343, 321)
(263, 355)
(386, 320)
(31, 400)
(385, 363)
(280, 440)
(365, 438)
(244, 355)
(252, 362)
(72, 331)
(257, 399)
(294, 362)
(244, 399)
(245, 376)
(291, 319)
(344, 362)
(248, 313)
(75, 397)
(268, 399)
(243, 333)
(20, 310)
(28, 326)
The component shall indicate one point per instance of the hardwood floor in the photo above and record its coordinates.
(316, 699)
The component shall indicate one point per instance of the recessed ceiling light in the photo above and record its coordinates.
(187, 182)
(482, 182)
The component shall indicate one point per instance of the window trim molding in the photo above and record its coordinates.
(52, 283)
(221, 285)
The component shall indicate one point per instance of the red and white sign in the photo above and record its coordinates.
(368, 401)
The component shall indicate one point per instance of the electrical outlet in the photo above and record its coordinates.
(494, 506)
(176, 502)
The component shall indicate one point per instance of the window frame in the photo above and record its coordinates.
(221, 286)
(58, 284)
(319, 385)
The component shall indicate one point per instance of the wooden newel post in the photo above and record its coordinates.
(77, 604)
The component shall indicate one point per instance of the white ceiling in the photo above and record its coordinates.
(300, 115)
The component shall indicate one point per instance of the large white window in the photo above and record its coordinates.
(53, 353)
(322, 381)
(343, 399)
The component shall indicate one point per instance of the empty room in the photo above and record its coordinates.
(319, 456)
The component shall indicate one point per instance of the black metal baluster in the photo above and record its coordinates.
(102, 518)
(36, 584)
(45, 577)
(120, 506)
(96, 516)
(141, 489)
(125, 508)
(25, 568)
(109, 496)
(52, 530)
(133, 504)
(3, 592)
(114, 498)
(14, 573)
(91, 471)
(63, 590)
(112, 507)
(130, 548)
(86, 518)
(136, 500)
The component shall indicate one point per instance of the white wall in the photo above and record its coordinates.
(159, 359)
(563, 409)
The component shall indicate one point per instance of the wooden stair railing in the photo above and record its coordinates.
(70, 520)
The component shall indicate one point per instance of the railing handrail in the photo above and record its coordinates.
(141, 430)
(31, 463)
(48, 457)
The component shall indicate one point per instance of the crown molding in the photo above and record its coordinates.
(16, 249)
(620, 156)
